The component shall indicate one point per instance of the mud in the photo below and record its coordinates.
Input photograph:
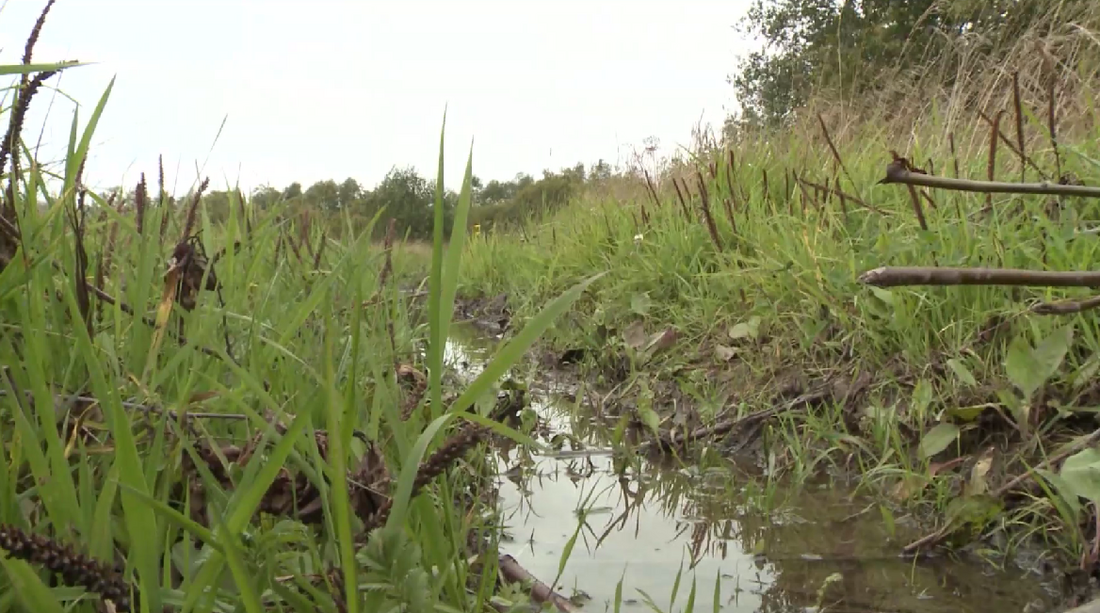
(656, 526)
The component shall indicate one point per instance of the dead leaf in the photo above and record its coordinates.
(198, 397)
(978, 483)
(937, 467)
(909, 486)
(724, 353)
(635, 336)
(660, 341)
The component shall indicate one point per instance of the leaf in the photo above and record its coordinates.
(922, 397)
(724, 353)
(746, 329)
(1029, 368)
(937, 439)
(649, 417)
(969, 413)
(976, 510)
(962, 372)
(452, 264)
(640, 303)
(635, 336)
(978, 484)
(884, 295)
(28, 588)
(514, 350)
(1081, 473)
(410, 467)
(1063, 489)
(1087, 372)
(437, 340)
(660, 341)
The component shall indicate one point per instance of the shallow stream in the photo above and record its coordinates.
(818, 549)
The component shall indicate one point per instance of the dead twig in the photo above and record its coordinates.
(1070, 449)
(143, 407)
(895, 173)
(728, 425)
(941, 533)
(512, 572)
(922, 275)
(1066, 307)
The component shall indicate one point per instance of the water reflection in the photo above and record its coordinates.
(643, 525)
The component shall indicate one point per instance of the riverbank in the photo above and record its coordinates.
(732, 313)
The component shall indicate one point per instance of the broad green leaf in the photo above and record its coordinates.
(937, 439)
(962, 372)
(1029, 368)
(746, 329)
(969, 413)
(1081, 473)
(640, 303)
(649, 417)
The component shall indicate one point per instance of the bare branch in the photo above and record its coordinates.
(921, 275)
(896, 174)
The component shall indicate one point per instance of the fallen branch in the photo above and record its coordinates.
(1049, 462)
(1066, 307)
(512, 572)
(926, 275)
(144, 407)
(725, 426)
(896, 173)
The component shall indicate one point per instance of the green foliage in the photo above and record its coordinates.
(853, 47)
(289, 359)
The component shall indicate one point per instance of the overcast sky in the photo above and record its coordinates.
(335, 89)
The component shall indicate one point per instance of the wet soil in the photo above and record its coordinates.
(657, 526)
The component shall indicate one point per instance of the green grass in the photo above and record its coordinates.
(288, 367)
(290, 358)
(916, 376)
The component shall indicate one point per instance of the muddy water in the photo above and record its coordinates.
(817, 549)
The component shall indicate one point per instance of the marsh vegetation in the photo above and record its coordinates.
(787, 367)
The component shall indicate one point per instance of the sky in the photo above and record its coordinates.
(330, 89)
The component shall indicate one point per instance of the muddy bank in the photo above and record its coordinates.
(645, 519)
(819, 419)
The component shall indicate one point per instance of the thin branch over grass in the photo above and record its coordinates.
(897, 173)
(920, 275)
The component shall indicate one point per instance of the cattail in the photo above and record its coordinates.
(74, 568)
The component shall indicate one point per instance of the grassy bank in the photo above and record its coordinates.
(204, 416)
(733, 288)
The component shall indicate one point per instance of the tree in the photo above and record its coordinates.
(855, 46)
(324, 195)
(408, 198)
(294, 190)
(265, 197)
(348, 193)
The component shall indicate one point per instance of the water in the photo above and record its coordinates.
(645, 527)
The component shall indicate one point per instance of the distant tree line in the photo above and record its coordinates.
(408, 199)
